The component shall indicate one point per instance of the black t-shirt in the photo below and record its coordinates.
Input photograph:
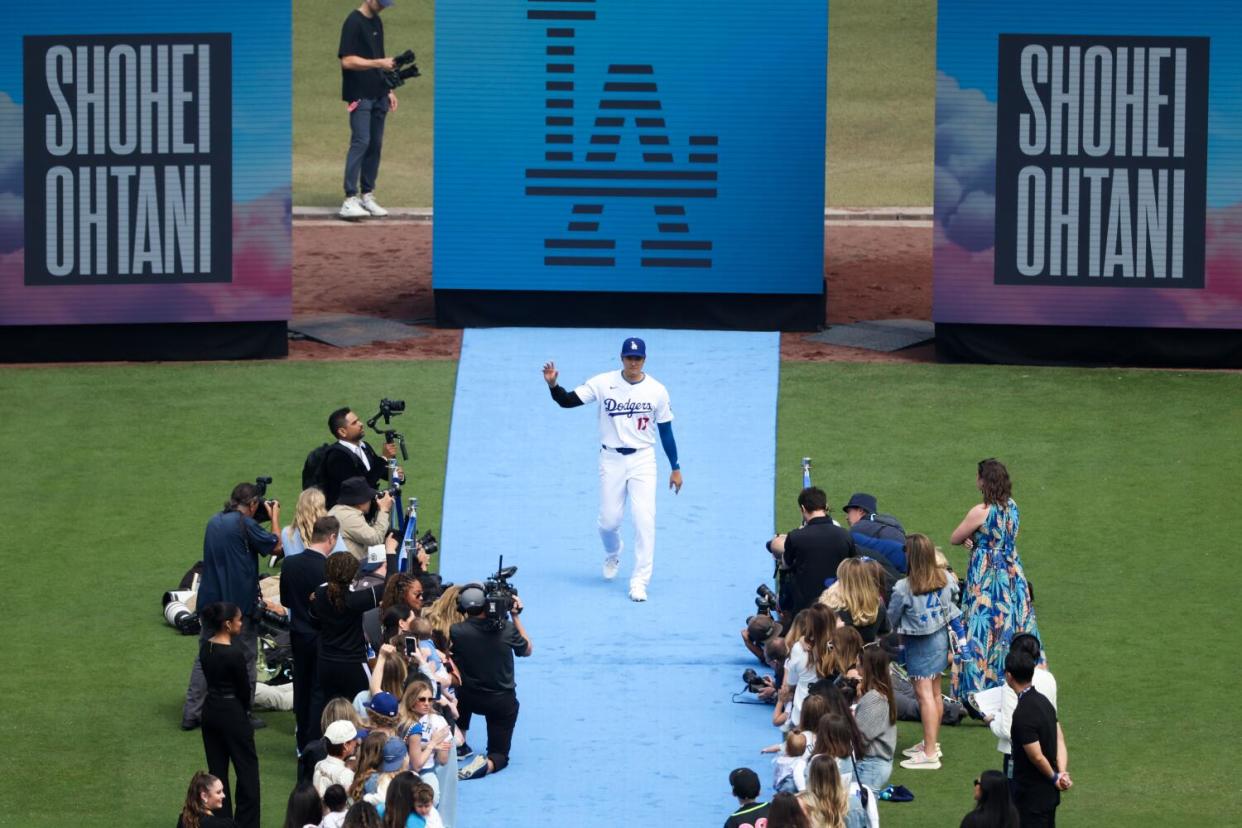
(1034, 720)
(224, 668)
(362, 36)
(340, 631)
(485, 656)
(813, 553)
(300, 575)
(210, 821)
(869, 632)
(747, 815)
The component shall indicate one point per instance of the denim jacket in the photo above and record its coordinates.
(922, 614)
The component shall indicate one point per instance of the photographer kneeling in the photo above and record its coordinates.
(483, 649)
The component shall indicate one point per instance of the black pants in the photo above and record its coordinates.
(501, 712)
(306, 696)
(336, 678)
(229, 737)
(1037, 819)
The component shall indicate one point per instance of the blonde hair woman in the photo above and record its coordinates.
(824, 800)
(297, 535)
(858, 601)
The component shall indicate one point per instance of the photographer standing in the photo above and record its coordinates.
(351, 456)
(357, 533)
(370, 100)
(233, 543)
(484, 653)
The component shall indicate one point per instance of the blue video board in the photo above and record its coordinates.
(630, 146)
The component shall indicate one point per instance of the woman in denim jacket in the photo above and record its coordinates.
(923, 605)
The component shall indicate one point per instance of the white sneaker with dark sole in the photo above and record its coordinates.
(352, 209)
(921, 761)
(372, 206)
(638, 593)
(611, 565)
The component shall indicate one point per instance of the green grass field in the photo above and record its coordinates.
(881, 104)
(1126, 479)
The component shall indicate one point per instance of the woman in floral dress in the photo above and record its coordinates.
(996, 603)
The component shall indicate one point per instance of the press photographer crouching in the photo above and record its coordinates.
(233, 543)
(483, 647)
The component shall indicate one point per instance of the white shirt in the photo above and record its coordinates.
(358, 452)
(332, 771)
(1044, 682)
(628, 412)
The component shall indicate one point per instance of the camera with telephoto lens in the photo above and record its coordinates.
(498, 594)
(754, 681)
(428, 543)
(403, 68)
(261, 514)
(766, 602)
(178, 614)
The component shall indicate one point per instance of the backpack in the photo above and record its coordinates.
(312, 469)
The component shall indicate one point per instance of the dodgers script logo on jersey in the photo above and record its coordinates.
(626, 408)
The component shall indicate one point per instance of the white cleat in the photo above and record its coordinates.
(638, 593)
(611, 565)
(372, 206)
(352, 209)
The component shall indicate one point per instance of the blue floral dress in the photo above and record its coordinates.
(996, 604)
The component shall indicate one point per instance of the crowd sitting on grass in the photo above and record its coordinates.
(842, 666)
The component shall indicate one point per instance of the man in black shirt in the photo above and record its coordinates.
(745, 784)
(1040, 758)
(484, 655)
(809, 555)
(370, 100)
(299, 576)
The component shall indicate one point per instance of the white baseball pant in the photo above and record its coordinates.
(632, 476)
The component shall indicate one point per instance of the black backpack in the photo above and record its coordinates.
(312, 469)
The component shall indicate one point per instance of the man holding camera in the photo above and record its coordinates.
(233, 543)
(359, 533)
(350, 456)
(369, 101)
(483, 650)
(810, 554)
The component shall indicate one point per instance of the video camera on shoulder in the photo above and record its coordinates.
(498, 594)
(403, 68)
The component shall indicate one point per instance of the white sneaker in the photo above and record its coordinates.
(917, 749)
(372, 206)
(638, 593)
(611, 564)
(921, 761)
(352, 209)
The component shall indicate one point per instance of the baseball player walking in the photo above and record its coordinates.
(632, 408)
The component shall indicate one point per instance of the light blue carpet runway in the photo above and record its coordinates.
(626, 715)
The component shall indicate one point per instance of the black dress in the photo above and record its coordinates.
(227, 733)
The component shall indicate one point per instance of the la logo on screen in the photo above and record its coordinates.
(1101, 161)
(128, 158)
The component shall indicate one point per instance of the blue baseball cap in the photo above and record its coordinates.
(634, 347)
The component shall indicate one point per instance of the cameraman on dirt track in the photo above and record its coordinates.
(483, 648)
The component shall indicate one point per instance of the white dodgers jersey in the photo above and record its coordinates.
(628, 413)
